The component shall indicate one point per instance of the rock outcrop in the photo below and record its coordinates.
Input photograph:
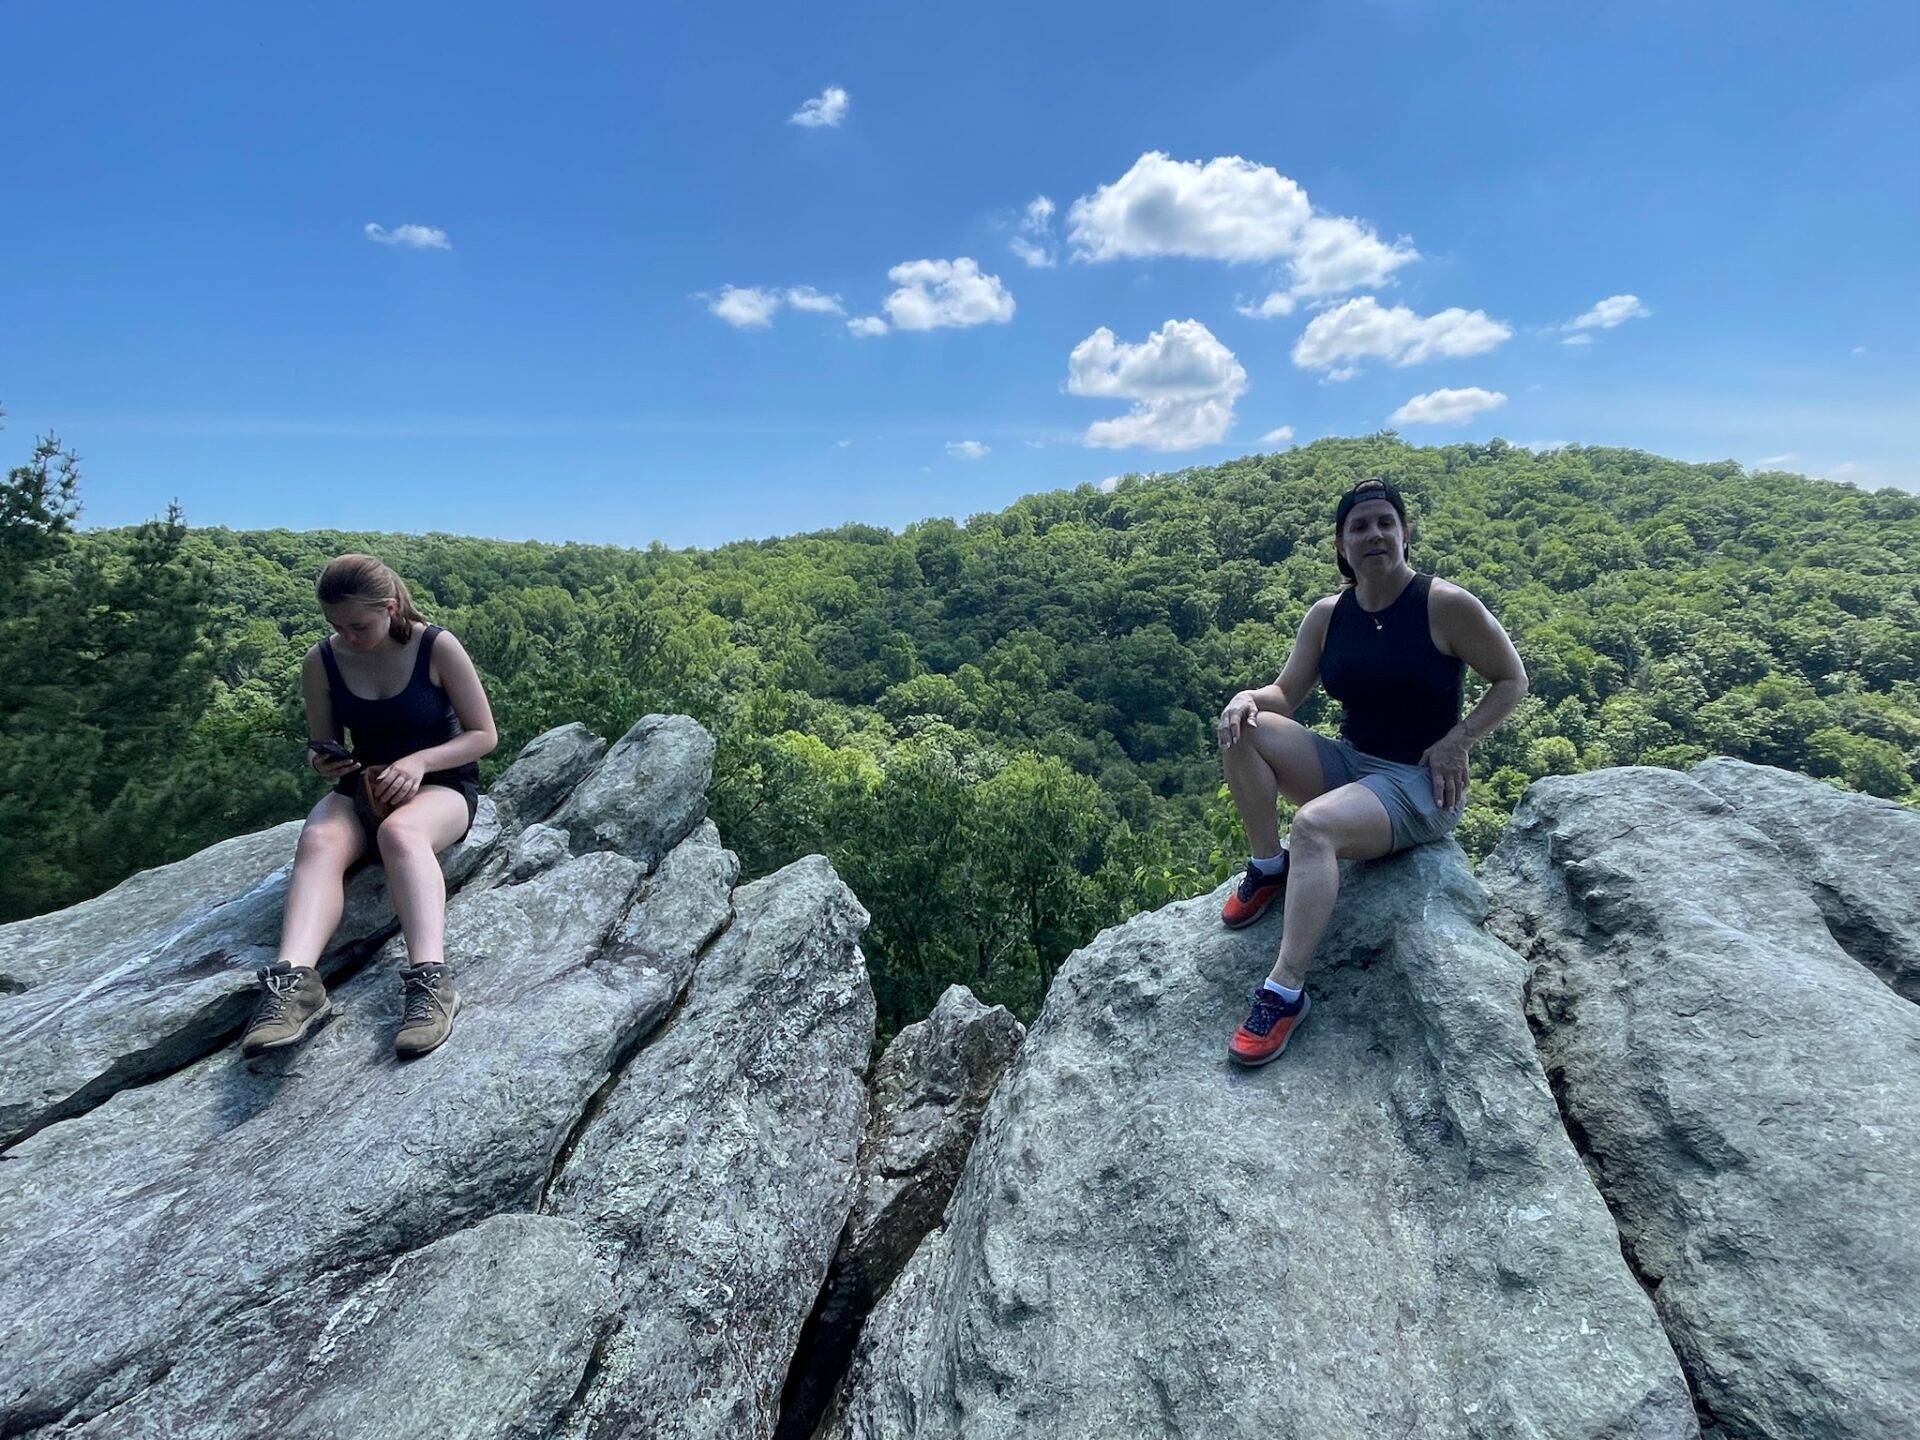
(329, 1242)
(1388, 1233)
(1746, 1091)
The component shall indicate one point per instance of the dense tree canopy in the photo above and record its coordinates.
(999, 731)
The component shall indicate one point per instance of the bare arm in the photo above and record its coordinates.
(1294, 684)
(322, 724)
(1476, 637)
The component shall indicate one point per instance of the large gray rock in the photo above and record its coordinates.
(140, 1233)
(649, 791)
(159, 970)
(925, 1103)
(1850, 852)
(1386, 1233)
(721, 1168)
(1747, 1094)
(482, 1334)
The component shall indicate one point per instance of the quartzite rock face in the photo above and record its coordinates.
(1386, 1233)
(721, 1168)
(1748, 1095)
(156, 1242)
(649, 791)
(1850, 852)
(160, 969)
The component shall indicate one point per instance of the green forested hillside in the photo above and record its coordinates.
(999, 731)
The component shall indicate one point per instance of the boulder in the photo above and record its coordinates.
(720, 1169)
(1385, 1233)
(1850, 852)
(1746, 1092)
(648, 792)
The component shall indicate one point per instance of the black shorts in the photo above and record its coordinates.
(350, 786)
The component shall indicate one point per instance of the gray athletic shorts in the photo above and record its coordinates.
(1406, 790)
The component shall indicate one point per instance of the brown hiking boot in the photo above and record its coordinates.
(431, 1005)
(292, 1003)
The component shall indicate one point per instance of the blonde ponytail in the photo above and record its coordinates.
(361, 579)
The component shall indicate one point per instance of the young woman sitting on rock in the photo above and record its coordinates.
(410, 698)
(1391, 647)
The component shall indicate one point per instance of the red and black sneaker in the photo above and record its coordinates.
(1257, 891)
(1265, 1033)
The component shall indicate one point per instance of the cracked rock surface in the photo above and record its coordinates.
(1386, 1233)
(1747, 1092)
(327, 1242)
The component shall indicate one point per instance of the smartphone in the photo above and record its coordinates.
(330, 749)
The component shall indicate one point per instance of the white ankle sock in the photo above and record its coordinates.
(1289, 997)
(1270, 864)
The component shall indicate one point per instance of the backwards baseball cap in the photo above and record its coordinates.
(1360, 494)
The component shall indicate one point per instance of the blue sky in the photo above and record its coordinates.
(626, 305)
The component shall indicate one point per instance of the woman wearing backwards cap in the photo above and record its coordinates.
(1391, 647)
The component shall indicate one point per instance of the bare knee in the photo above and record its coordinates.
(401, 842)
(1313, 830)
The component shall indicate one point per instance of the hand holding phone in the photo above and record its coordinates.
(331, 757)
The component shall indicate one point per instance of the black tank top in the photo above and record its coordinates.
(419, 717)
(1398, 694)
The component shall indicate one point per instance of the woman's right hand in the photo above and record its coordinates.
(1242, 709)
(332, 769)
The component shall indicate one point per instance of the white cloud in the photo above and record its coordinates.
(1785, 459)
(1277, 437)
(1278, 303)
(968, 450)
(1581, 339)
(1844, 469)
(1612, 311)
(1110, 484)
(863, 326)
(1858, 350)
(842, 444)
(1364, 330)
(745, 307)
(805, 297)
(1034, 243)
(1232, 209)
(829, 107)
(935, 293)
(411, 237)
(1182, 381)
(1447, 407)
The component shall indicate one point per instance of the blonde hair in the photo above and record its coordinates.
(361, 579)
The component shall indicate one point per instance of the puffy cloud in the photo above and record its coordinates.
(1363, 329)
(1447, 407)
(863, 326)
(1232, 209)
(935, 293)
(1182, 381)
(829, 107)
(1277, 437)
(805, 297)
(410, 237)
(1612, 311)
(968, 450)
(745, 307)
(1110, 484)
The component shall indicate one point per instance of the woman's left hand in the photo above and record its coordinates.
(1446, 760)
(400, 781)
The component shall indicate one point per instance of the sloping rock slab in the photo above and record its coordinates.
(363, 1353)
(1857, 855)
(646, 795)
(1387, 1233)
(177, 1206)
(159, 970)
(721, 1168)
(1747, 1094)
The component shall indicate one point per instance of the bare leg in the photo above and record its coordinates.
(1345, 824)
(410, 841)
(1273, 758)
(331, 840)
